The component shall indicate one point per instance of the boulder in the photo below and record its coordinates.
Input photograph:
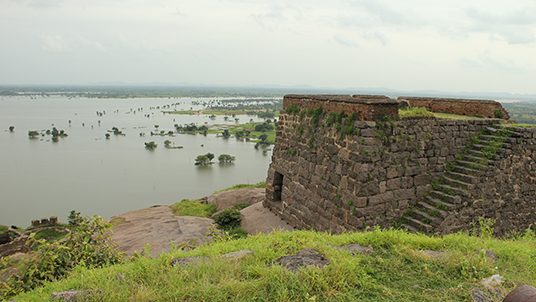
(304, 258)
(523, 293)
(258, 219)
(228, 199)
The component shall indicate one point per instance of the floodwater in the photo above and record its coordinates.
(88, 173)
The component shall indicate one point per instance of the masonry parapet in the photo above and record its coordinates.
(365, 107)
(470, 107)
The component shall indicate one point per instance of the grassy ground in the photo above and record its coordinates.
(261, 184)
(397, 270)
(50, 234)
(3, 228)
(413, 112)
(188, 207)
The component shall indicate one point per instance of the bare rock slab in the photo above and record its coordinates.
(160, 229)
(523, 293)
(258, 219)
(228, 199)
(304, 258)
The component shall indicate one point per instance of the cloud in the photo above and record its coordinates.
(514, 27)
(376, 36)
(344, 41)
(487, 62)
(54, 43)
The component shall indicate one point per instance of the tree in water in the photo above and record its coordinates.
(11, 128)
(150, 146)
(226, 159)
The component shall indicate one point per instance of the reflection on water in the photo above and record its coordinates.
(94, 175)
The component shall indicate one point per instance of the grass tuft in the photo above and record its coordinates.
(196, 208)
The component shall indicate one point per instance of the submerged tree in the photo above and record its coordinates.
(11, 128)
(33, 134)
(150, 145)
(204, 160)
(226, 159)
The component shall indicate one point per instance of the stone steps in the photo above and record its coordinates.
(432, 210)
(417, 224)
(470, 179)
(451, 190)
(471, 165)
(424, 217)
(466, 170)
(456, 183)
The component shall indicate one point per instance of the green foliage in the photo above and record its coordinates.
(150, 145)
(292, 152)
(228, 219)
(204, 159)
(264, 127)
(316, 114)
(498, 113)
(50, 234)
(87, 245)
(292, 109)
(397, 270)
(413, 112)
(261, 184)
(3, 228)
(75, 218)
(196, 208)
(485, 227)
(226, 159)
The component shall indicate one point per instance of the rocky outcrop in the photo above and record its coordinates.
(159, 229)
(228, 199)
(258, 219)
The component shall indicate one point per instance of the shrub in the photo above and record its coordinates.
(87, 245)
(228, 219)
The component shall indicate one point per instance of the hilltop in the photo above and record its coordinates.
(388, 265)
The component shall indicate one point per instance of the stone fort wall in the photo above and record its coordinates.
(355, 165)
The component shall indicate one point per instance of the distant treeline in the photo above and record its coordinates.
(524, 112)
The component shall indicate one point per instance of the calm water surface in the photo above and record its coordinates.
(86, 172)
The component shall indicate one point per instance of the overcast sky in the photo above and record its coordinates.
(455, 45)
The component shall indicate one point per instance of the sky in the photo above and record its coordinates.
(469, 45)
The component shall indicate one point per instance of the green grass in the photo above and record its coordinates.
(3, 228)
(261, 184)
(50, 234)
(188, 207)
(397, 270)
(421, 112)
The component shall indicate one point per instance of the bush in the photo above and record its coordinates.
(87, 245)
(228, 219)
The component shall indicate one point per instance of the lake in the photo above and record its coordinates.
(88, 173)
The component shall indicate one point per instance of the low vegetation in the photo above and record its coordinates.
(196, 208)
(87, 245)
(399, 268)
(261, 184)
(3, 228)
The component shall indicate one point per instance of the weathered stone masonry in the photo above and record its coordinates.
(334, 171)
